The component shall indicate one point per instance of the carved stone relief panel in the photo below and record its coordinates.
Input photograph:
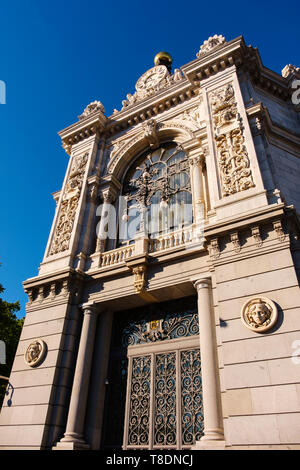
(233, 160)
(69, 204)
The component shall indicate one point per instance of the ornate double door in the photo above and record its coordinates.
(164, 397)
(157, 401)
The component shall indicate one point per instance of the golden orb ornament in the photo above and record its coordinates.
(163, 58)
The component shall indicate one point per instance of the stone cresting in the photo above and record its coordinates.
(233, 159)
(63, 230)
(210, 44)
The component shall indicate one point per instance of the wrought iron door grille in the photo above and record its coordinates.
(164, 400)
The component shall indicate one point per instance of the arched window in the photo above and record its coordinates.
(156, 193)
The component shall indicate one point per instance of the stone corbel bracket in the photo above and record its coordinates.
(214, 248)
(139, 268)
(235, 240)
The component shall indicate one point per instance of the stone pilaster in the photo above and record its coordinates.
(74, 436)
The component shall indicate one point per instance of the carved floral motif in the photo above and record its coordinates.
(234, 164)
(224, 108)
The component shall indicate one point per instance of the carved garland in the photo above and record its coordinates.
(233, 159)
(69, 205)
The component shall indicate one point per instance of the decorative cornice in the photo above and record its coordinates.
(237, 53)
(91, 125)
(215, 56)
(218, 59)
(54, 287)
(243, 221)
(151, 106)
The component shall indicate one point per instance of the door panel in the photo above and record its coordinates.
(153, 396)
(164, 400)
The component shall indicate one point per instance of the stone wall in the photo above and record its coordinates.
(259, 379)
(37, 401)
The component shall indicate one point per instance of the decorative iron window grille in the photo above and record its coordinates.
(157, 190)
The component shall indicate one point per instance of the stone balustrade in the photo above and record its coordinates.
(173, 239)
(117, 255)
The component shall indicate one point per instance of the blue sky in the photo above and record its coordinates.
(58, 56)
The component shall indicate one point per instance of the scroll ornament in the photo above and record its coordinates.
(69, 205)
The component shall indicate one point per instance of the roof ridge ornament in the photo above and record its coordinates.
(92, 108)
(211, 43)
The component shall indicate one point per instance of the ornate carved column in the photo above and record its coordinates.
(74, 435)
(213, 428)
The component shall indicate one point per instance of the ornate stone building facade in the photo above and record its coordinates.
(185, 336)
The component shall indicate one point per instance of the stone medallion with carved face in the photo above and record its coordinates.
(35, 352)
(259, 314)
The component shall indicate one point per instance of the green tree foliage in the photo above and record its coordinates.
(10, 330)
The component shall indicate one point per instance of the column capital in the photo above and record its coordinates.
(89, 308)
(197, 160)
(202, 283)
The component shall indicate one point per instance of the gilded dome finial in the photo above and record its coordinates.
(163, 58)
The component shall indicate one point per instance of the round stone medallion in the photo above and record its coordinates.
(35, 352)
(259, 314)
